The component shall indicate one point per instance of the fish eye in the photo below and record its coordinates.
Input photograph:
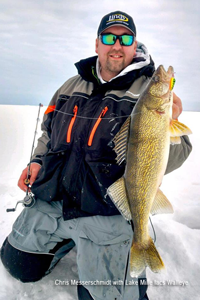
(156, 78)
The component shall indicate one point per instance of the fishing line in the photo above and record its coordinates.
(104, 118)
(153, 229)
(27, 181)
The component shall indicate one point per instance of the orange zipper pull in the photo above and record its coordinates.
(96, 126)
(69, 131)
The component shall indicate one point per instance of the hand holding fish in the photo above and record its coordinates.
(176, 107)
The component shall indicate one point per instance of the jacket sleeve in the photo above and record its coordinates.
(44, 141)
(178, 154)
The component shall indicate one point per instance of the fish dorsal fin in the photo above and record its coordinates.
(161, 204)
(117, 193)
(121, 140)
(178, 129)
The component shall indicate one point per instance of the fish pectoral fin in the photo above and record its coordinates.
(161, 204)
(175, 140)
(143, 256)
(178, 129)
(117, 193)
(121, 140)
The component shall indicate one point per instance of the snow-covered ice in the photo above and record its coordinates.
(177, 235)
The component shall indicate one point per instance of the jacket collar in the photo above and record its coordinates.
(141, 59)
(142, 65)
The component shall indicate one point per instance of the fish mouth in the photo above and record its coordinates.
(169, 72)
(161, 83)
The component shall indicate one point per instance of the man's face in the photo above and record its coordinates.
(114, 58)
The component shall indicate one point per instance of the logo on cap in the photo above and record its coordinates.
(117, 17)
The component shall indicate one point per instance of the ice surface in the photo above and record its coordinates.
(178, 235)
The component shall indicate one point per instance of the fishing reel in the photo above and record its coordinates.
(28, 201)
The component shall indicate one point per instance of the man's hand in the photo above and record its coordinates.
(34, 169)
(176, 107)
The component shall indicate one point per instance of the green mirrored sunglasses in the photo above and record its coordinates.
(110, 39)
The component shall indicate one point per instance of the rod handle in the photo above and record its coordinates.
(10, 209)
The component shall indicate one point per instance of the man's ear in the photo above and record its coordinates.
(96, 45)
(135, 47)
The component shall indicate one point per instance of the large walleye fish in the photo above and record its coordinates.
(144, 141)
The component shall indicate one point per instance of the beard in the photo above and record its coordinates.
(113, 66)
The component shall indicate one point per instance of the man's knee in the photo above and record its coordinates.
(24, 266)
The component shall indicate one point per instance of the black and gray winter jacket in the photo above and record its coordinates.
(76, 149)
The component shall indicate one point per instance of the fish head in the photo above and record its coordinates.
(159, 90)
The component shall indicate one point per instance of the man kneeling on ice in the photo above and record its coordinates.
(74, 167)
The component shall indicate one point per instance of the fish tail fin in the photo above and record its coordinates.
(142, 257)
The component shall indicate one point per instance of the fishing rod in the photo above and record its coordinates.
(29, 199)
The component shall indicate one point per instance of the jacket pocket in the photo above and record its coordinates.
(99, 177)
(94, 129)
(48, 184)
(71, 124)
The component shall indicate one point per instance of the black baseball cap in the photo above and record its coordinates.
(117, 18)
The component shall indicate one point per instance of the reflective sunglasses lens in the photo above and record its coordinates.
(108, 39)
(127, 40)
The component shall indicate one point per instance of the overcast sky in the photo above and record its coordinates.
(41, 40)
